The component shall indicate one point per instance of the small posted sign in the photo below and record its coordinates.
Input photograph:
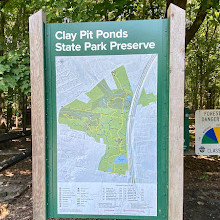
(207, 137)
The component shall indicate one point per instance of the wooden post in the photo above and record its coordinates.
(176, 111)
(16, 121)
(38, 114)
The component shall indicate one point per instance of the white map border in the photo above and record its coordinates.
(76, 75)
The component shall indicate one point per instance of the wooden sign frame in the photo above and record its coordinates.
(176, 112)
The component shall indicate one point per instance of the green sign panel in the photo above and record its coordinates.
(107, 119)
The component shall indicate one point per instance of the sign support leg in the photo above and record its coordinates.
(176, 111)
(38, 114)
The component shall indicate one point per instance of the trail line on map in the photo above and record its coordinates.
(83, 110)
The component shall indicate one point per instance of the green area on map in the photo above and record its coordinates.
(105, 117)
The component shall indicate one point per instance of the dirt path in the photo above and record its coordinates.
(16, 182)
(202, 188)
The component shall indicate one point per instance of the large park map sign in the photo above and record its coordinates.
(107, 105)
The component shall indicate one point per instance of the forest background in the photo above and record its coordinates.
(202, 78)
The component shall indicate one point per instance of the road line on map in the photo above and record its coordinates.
(132, 111)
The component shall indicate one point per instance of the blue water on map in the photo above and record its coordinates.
(128, 98)
(121, 159)
(104, 101)
(110, 170)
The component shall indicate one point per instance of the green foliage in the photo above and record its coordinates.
(14, 55)
(202, 54)
(203, 66)
(102, 10)
(15, 73)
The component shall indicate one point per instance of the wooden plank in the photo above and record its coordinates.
(38, 114)
(176, 111)
(14, 159)
(14, 135)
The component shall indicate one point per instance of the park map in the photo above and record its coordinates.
(105, 116)
(106, 109)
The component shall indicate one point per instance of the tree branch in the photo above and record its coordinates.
(152, 8)
(190, 33)
(144, 8)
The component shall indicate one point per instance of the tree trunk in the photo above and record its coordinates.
(2, 31)
(2, 47)
(24, 112)
(9, 109)
(201, 79)
(144, 8)
(200, 17)
(2, 106)
(196, 89)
